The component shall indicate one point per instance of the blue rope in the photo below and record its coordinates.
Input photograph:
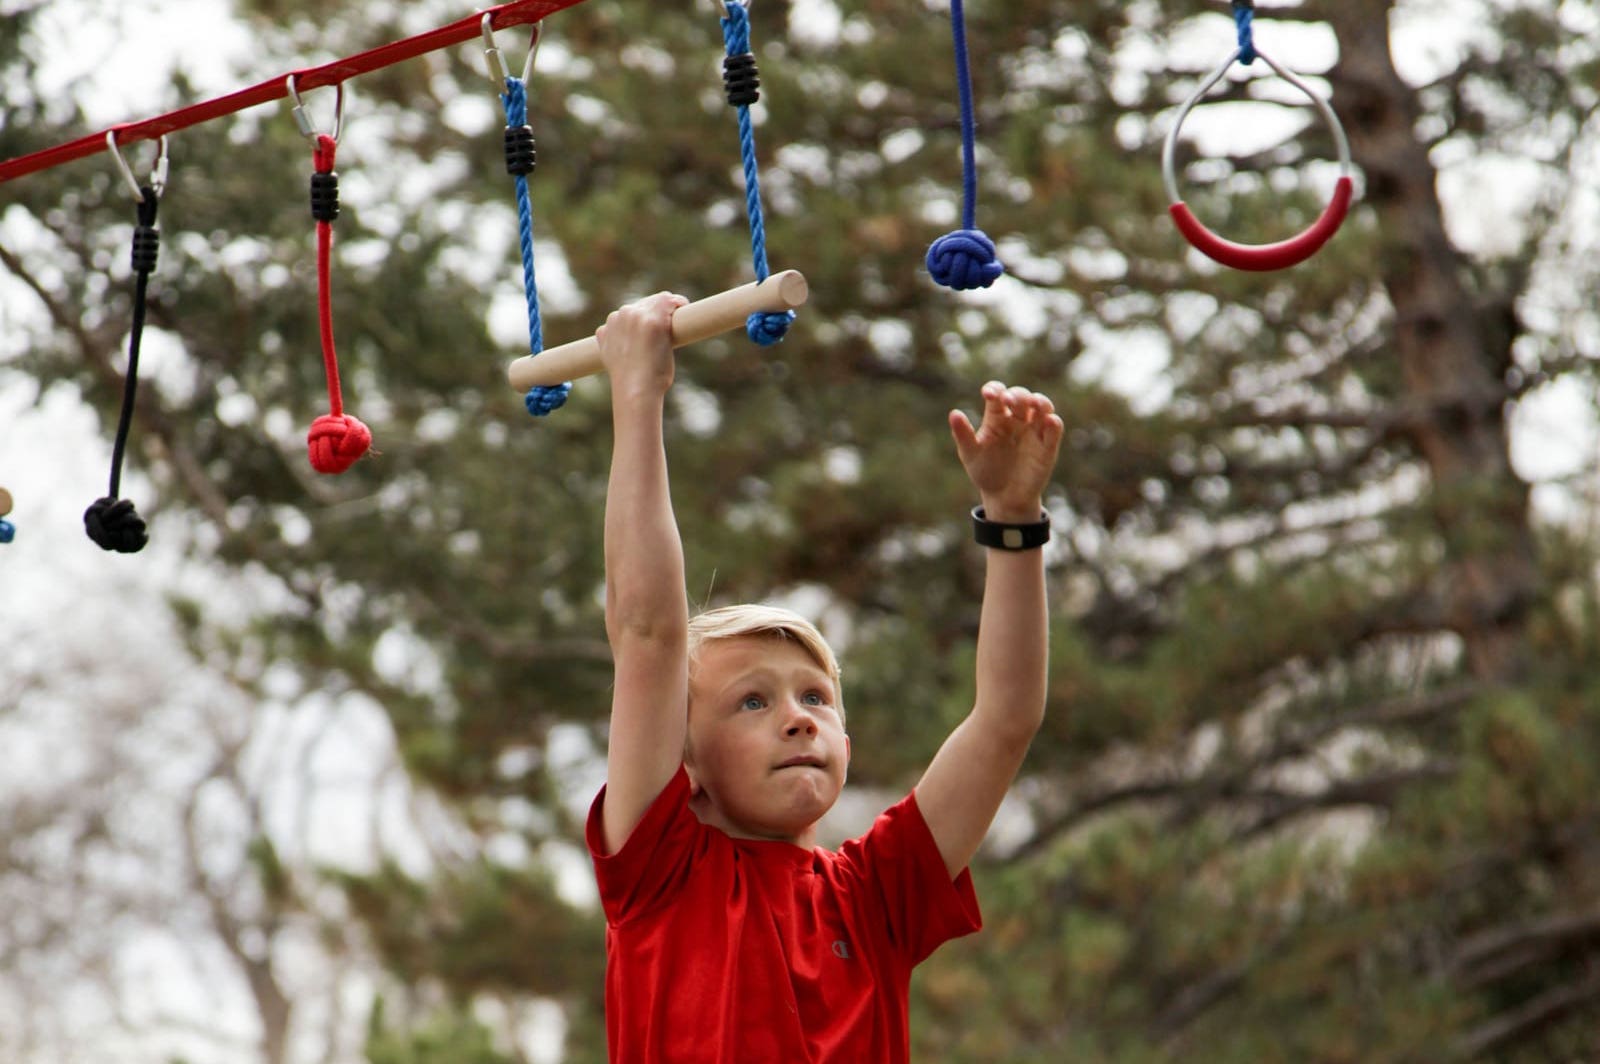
(8, 531)
(764, 328)
(1244, 13)
(965, 258)
(539, 400)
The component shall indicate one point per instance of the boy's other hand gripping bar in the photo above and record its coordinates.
(691, 323)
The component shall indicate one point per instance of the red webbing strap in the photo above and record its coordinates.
(516, 13)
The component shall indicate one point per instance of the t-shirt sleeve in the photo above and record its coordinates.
(921, 905)
(653, 864)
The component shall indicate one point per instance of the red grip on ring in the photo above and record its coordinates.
(1263, 257)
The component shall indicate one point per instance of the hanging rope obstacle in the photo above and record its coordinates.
(966, 258)
(336, 439)
(741, 82)
(112, 522)
(1258, 257)
(765, 309)
(8, 531)
(521, 160)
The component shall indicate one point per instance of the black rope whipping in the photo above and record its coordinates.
(111, 522)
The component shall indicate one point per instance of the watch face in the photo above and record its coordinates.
(1011, 539)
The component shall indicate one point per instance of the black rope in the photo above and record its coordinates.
(111, 522)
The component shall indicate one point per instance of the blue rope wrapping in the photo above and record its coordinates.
(8, 531)
(966, 258)
(1244, 14)
(540, 400)
(764, 328)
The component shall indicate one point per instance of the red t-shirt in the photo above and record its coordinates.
(736, 951)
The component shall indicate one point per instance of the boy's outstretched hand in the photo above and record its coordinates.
(1012, 453)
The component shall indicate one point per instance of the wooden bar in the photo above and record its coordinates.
(697, 321)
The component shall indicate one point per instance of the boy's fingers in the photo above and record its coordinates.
(996, 405)
(961, 429)
(1052, 428)
(1020, 401)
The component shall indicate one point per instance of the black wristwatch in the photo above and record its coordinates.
(1002, 536)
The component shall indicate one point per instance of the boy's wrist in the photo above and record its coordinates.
(1011, 512)
(640, 391)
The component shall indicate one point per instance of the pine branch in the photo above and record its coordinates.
(1378, 791)
(1491, 955)
(1519, 1024)
(1197, 792)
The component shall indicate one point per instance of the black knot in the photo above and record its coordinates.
(741, 80)
(146, 247)
(325, 196)
(521, 156)
(114, 525)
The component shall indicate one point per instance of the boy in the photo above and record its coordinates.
(730, 939)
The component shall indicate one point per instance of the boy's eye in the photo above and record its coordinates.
(753, 702)
(813, 698)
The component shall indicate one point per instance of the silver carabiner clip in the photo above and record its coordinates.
(303, 120)
(498, 74)
(158, 173)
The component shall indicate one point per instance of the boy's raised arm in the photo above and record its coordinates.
(1009, 459)
(647, 616)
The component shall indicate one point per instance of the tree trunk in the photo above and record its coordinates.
(1452, 367)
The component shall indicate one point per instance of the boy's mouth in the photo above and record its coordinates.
(802, 761)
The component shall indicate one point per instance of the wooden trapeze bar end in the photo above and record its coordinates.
(691, 323)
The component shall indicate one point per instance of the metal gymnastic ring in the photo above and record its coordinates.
(1285, 253)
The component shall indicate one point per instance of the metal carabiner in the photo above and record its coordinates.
(303, 120)
(722, 6)
(158, 172)
(498, 74)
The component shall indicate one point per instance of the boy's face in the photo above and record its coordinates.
(767, 750)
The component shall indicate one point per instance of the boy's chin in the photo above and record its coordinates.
(792, 821)
(803, 814)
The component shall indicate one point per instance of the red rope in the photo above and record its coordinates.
(327, 148)
(330, 360)
(517, 13)
(336, 439)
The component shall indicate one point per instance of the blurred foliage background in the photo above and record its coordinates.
(1318, 777)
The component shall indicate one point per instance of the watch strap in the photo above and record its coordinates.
(1003, 536)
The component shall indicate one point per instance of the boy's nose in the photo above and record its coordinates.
(800, 722)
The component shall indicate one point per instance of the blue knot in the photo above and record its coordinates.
(541, 400)
(768, 327)
(964, 259)
(8, 531)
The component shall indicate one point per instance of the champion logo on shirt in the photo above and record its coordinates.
(841, 949)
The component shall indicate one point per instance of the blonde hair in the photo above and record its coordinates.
(737, 622)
